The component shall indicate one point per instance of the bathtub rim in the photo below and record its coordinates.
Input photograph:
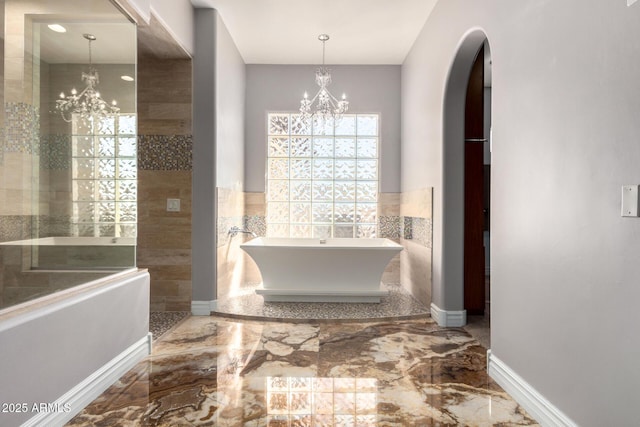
(383, 243)
(13, 313)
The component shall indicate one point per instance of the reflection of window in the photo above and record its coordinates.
(322, 178)
(104, 169)
(322, 401)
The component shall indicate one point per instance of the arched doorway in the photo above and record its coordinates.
(463, 256)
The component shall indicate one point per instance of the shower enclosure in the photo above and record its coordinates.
(68, 182)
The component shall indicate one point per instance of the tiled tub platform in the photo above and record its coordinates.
(399, 304)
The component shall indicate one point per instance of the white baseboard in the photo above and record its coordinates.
(75, 400)
(448, 318)
(533, 402)
(203, 308)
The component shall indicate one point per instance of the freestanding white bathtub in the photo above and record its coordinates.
(321, 270)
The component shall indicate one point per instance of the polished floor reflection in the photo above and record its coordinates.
(210, 371)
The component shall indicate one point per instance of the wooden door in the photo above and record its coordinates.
(474, 286)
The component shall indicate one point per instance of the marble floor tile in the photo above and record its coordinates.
(210, 371)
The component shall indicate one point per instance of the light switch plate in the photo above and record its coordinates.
(173, 205)
(630, 200)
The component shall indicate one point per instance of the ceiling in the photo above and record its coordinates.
(114, 44)
(115, 32)
(286, 31)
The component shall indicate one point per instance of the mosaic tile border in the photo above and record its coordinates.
(255, 223)
(15, 227)
(22, 128)
(420, 230)
(55, 152)
(165, 152)
(389, 227)
(407, 227)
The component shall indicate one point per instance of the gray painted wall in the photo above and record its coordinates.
(369, 88)
(230, 97)
(564, 263)
(203, 265)
(218, 139)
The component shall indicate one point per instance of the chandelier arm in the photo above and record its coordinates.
(333, 98)
(81, 94)
(315, 97)
(328, 106)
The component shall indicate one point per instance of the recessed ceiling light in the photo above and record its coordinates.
(127, 78)
(57, 28)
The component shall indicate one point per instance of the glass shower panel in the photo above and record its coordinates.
(73, 182)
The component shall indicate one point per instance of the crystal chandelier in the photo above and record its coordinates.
(327, 105)
(87, 103)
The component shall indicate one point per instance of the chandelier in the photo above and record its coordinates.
(327, 106)
(87, 103)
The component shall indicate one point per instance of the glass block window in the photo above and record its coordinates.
(322, 176)
(104, 176)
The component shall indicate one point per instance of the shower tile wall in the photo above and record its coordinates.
(417, 230)
(19, 123)
(164, 171)
(19, 149)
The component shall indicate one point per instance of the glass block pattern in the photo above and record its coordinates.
(322, 176)
(104, 174)
(322, 401)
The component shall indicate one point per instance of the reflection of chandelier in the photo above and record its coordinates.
(88, 102)
(327, 104)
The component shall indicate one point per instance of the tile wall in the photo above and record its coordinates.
(255, 214)
(416, 237)
(389, 227)
(164, 171)
(230, 258)
(20, 126)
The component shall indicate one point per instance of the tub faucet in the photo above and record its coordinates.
(233, 231)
